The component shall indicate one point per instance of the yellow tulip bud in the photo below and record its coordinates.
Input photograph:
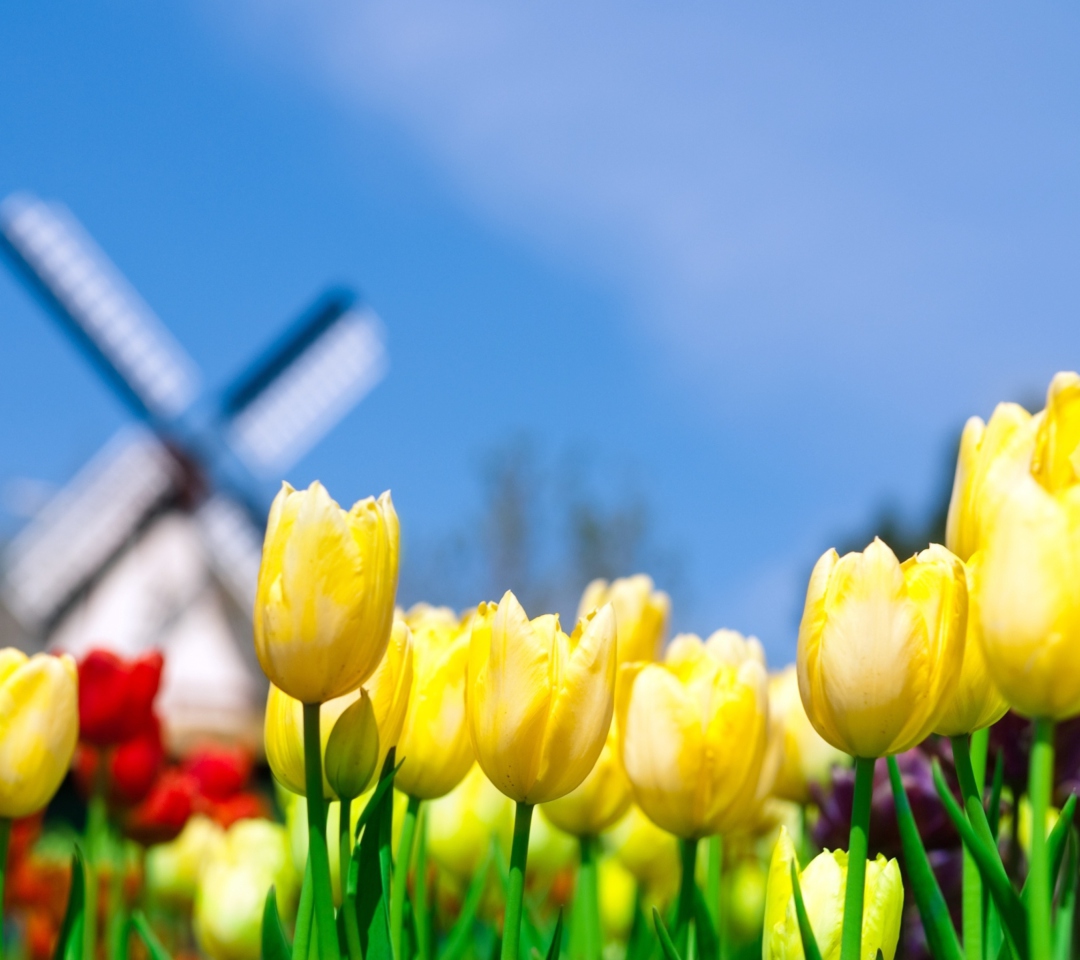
(800, 756)
(599, 800)
(461, 825)
(692, 733)
(325, 598)
(172, 869)
(389, 691)
(991, 458)
(822, 883)
(435, 744)
(352, 749)
(881, 644)
(39, 726)
(641, 614)
(539, 702)
(233, 885)
(649, 853)
(1028, 603)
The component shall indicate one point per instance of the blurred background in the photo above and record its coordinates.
(693, 291)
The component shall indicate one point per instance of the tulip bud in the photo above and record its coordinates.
(822, 884)
(692, 733)
(352, 750)
(539, 702)
(1028, 604)
(389, 691)
(435, 744)
(881, 645)
(598, 801)
(39, 726)
(325, 599)
(800, 756)
(461, 824)
(641, 614)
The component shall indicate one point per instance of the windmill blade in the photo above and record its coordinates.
(100, 307)
(305, 384)
(85, 525)
(234, 544)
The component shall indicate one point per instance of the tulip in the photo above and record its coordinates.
(641, 614)
(116, 696)
(39, 717)
(172, 869)
(692, 733)
(599, 801)
(881, 645)
(389, 690)
(649, 853)
(352, 749)
(822, 883)
(325, 599)
(162, 814)
(539, 706)
(233, 885)
(221, 771)
(801, 756)
(461, 825)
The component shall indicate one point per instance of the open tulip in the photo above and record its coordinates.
(39, 726)
(641, 614)
(692, 733)
(116, 695)
(325, 599)
(822, 883)
(881, 645)
(389, 691)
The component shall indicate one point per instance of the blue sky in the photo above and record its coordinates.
(764, 259)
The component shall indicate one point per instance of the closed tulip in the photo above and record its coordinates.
(461, 825)
(822, 883)
(116, 695)
(172, 869)
(435, 744)
(389, 691)
(539, 703)
(649, 853)
(692, 733)
(39, 727)
(1028, 602)
(641, 614)
(881, 645)
(325, 599)
(992, 457)
(801, 756)
(598, 801)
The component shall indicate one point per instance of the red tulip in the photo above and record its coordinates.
(221, 772)
(162, 815)
(134, 765)
(243, 806)
(116, 696)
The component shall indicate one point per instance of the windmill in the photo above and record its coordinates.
(156, 541)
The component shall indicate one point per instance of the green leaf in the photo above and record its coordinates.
(386, 781)
(457, 942)
(366, 872)
(1066, 912)
(940, 933)
(275, 946)
(556, 940)
(153, 944)
(806, 932)
(670, 953)
(708, 941)
(69, 944)
(1010, 908)
(641, 944)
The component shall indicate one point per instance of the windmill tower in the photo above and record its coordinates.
(156, 541)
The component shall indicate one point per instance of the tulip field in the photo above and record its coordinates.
(498, 784)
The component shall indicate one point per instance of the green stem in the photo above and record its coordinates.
(687, 885)
(515, 893)
(851, 936)
(326, 929)
(1040, 784)
(973, 760)
(421, 914)
(400, 879)
(587, 900)
(97, 824)
(348, 903)
(713, 871)
(304, 917)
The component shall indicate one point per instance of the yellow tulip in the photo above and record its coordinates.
(39, 726)
(692, 733)
(598, 801)
(435, 744)
(461, 825)
(641, 614)
(1028, 601)
(539, 703)
(233, 885)
(800, 756)
(881, 644)
(649, 853)
(617, 894)
(325, 598)
(822, 883)
(389, 691)
(974, 701)
(172, 869)
(992, 457)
